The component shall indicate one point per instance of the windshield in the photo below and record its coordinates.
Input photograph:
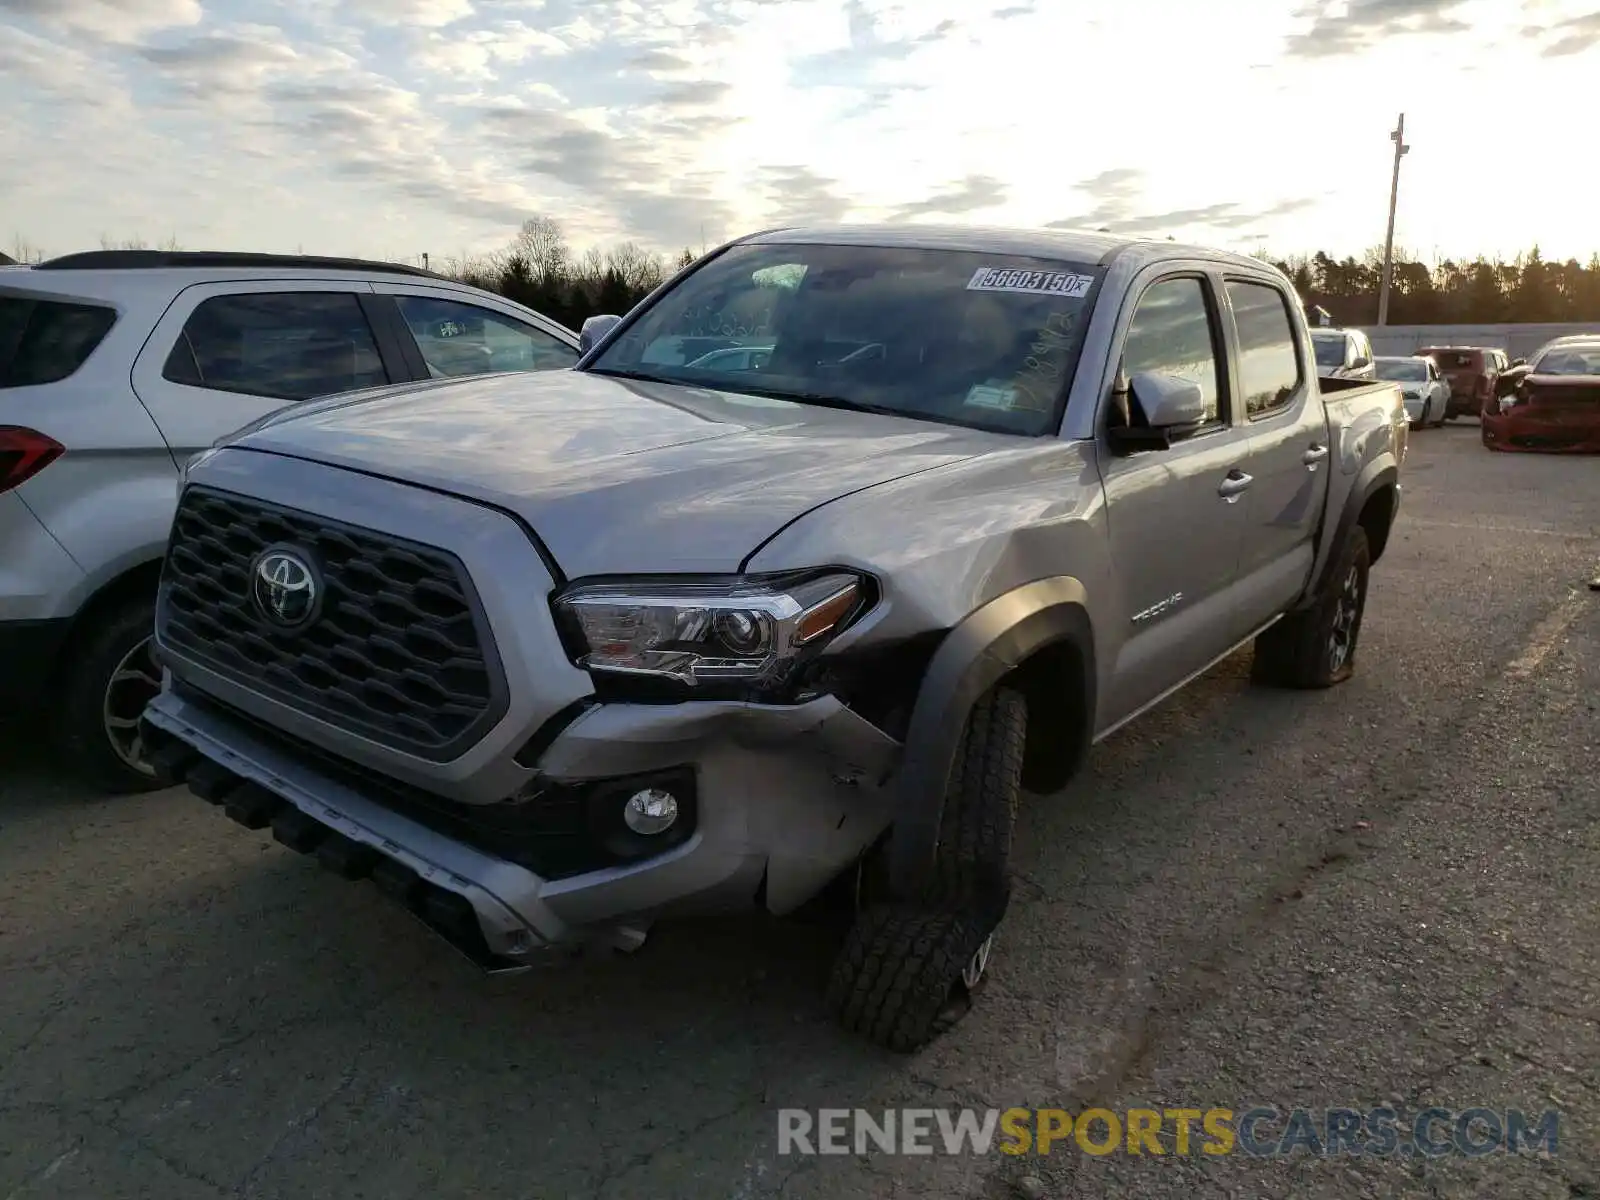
(977, 339)
(1402, 370)
(1330, 350)
(1454, 360)
(1569, 360)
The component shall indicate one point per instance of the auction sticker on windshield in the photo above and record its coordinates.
(989, 396)
(1039, 283)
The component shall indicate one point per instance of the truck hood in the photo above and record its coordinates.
(618, 476)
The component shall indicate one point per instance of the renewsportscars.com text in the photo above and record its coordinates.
(1261, 1131)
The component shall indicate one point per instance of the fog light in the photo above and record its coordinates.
(650, 811)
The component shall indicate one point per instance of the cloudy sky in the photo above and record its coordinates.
(392, 127)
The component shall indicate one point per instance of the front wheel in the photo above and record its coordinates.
(109, 677)
(909, 971)
(1316, 648)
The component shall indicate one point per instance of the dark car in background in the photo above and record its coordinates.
(1472, 372)
(1551, 403)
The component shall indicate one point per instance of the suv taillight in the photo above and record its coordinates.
(23, 454)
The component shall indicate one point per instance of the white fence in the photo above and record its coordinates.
(1519, 341)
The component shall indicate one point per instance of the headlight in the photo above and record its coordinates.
(743, 629)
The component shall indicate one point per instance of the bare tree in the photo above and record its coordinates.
(590, 272)
(24, 251)
(637, 268)
(542, 243)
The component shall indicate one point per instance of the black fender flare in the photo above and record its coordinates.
(1373, 477)
(978, 652)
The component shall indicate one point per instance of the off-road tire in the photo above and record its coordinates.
(77, 725)
(980, 807)
(1297, 652)
(898, 978)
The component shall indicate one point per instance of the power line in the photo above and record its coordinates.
(1398, 137)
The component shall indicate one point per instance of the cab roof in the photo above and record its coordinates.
(1067, 245)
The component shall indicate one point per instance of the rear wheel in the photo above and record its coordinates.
(1317, 648)
(109, 676)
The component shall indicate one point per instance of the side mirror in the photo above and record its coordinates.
(1168, 401)
(1519, 362)
(594, 329)
(1171, 406)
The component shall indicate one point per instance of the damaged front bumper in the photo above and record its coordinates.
(1535, 431)
(778, 800)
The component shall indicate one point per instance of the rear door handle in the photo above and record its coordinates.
(1234, 486)
(1314, 455)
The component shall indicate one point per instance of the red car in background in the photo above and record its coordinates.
(1472, 372)
(1552, 403)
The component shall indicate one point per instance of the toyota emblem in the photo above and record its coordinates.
(285, 588)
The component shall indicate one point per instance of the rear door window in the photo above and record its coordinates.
(1269, 368)
(283, 345)
(45, 341)
(466, 339)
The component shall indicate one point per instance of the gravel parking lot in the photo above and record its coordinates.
(1380, 894)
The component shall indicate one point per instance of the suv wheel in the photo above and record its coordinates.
(109, 677)
(1317, 648)
(907, 972)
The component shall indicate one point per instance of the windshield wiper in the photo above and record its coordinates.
(733, 384)
(819, 399)
(815, 399)
(618, 373)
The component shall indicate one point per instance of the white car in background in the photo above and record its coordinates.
(1425, 391)
(117, 367)
(1342, 354)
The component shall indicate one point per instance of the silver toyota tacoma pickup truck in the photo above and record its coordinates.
(817, 559)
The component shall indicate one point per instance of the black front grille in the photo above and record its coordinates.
(398, 652)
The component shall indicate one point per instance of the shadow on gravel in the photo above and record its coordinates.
(32, 776)
(277, 990)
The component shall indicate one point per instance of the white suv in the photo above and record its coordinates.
(115, 368)
(1343, 354)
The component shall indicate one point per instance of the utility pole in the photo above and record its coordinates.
(1398, 137)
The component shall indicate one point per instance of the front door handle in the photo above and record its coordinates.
(1234, 486)
(1314, 455)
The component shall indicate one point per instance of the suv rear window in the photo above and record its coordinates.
(1454, 360)
(44, 341)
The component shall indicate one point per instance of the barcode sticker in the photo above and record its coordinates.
(1039, 283)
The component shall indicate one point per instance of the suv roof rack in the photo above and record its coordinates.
(125, 260)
